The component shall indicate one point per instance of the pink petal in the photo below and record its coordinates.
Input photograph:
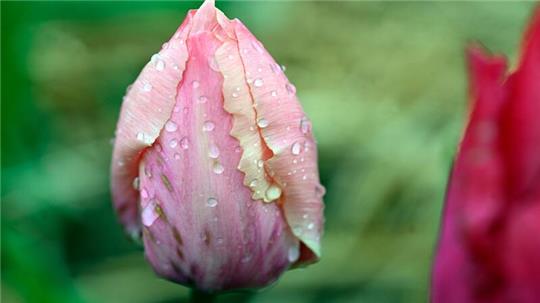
(474, 200)
(287, 133)
(146, 107)
(209, 231)
(238, 102)
(521, 122)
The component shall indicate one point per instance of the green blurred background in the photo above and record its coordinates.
(384, 83)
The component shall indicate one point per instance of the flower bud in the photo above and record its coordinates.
(215, 162)
(489, 249)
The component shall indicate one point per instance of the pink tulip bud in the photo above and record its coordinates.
(215, 161)
(489, 249)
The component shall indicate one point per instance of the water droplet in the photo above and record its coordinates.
(260, 163)
(170, 126)
(262, 123)
(177, 156)
(176, 109)
(184, 143)
(218, 168)
(165, 45)
(294, 253)
(147, 87)
(296, 148)
(195, 84)
(274, 93)
(213, 64)
(144, 138)
(144, 194)
(319, 190)
(290, 88)
(237, 88)
(175, 67)
(149, 214)
(235, 95)
(203, 99)
(305, 125)
(283, 68)
(273, 192)
(310, 226)
(212, 202)
(208, 126)
(253, 183)
(304, 177)
(246, 258)
(297, 230)
(258, 82)
(237, 149)
(173, 143)
(136, 183)
(213, 152)
(220, 240)
(159, 64)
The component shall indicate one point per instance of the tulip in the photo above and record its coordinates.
(489, 250)
(214, 161)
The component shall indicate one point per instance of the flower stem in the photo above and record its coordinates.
(198, 296)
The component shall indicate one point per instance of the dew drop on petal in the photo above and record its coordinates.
(218, 168)
(159, 64)
(136, 183)
(297, 230)
(144, 194)
(212, 202)
(184, 143)
(290, 88)
(273, 192)
(253, 183)
(213, 64)
(262, 123)
(258, 82)
(177, 156)
(296, 148)
(294, 253)
(274, 93)
(173, 143)
(305, 125)
(235, 95)
(310, 226)
(203, 99)
(246, 258)
(149, 214)
(147, 87)
(260, 163)
(170, 126)
(208, 126)
(195, 84)
(213, 152)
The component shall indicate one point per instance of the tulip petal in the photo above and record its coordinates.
(238, 102)
(287, 133)
(146, 108)
(201, 225)
(521, 123)
(473, 202)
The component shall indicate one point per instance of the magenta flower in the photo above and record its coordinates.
(489, 249)
(215, 162)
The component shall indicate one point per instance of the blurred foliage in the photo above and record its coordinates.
(385, 86)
